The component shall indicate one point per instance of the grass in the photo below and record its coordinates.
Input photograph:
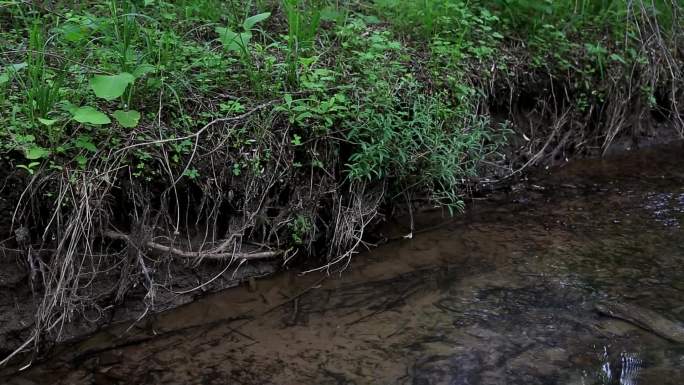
(293, 124)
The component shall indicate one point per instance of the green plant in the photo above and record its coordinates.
(300, 227)
(239, 41)
(42, 85)
(125, 32)
(109, 88)
(303, 21)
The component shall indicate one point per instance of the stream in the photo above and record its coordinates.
(506, 293)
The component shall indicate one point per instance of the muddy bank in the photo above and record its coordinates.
(192, 281)
(504, 294)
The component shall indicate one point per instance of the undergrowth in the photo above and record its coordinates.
(149, 132)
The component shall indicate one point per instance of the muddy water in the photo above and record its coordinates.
(503, 295)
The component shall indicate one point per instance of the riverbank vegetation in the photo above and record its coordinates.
(145, 136)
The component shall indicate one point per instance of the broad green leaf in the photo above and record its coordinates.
(90, 115)
(111, 87)
(244, 38)
(47, 122)
(233, 41)
(127, 119)
(143, 69)
(85, 142)
(73, 32)
(19, 66)
(36, 152)
(226, 36)
(69, 106)
(251, 21)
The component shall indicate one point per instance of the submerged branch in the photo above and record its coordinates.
(644, 318)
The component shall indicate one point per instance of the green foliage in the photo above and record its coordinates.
(239, 42)
(111, 87)
(303, 21)
(89, 115)
(396, 93)
(127, 119)
(299, 229)
(42, 86)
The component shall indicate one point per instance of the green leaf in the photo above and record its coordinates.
(90, 115)
(111, 87)
(22, 139)
(19, 66)
(85, 142)
(618, 58)
(81, 160)
(47, 122)
(73, 32)
(127, 119)
(251, 21)
(233, 41)
(143, 69)
(36, 152)
(191, 173)
(30, 167)
(69, 106)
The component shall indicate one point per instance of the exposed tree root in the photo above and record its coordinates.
(209, 254)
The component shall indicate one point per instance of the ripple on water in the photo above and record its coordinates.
(665, 207)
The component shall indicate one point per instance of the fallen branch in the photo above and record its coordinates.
(196, 254)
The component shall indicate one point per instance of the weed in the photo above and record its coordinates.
(240, 42)
(303, 21)
(42, 85)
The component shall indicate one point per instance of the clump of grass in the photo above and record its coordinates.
(41, 85)
(303, 21)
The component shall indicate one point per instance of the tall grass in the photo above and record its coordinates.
(303, 20)
(42, 87)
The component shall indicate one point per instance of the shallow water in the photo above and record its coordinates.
(502, 295)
